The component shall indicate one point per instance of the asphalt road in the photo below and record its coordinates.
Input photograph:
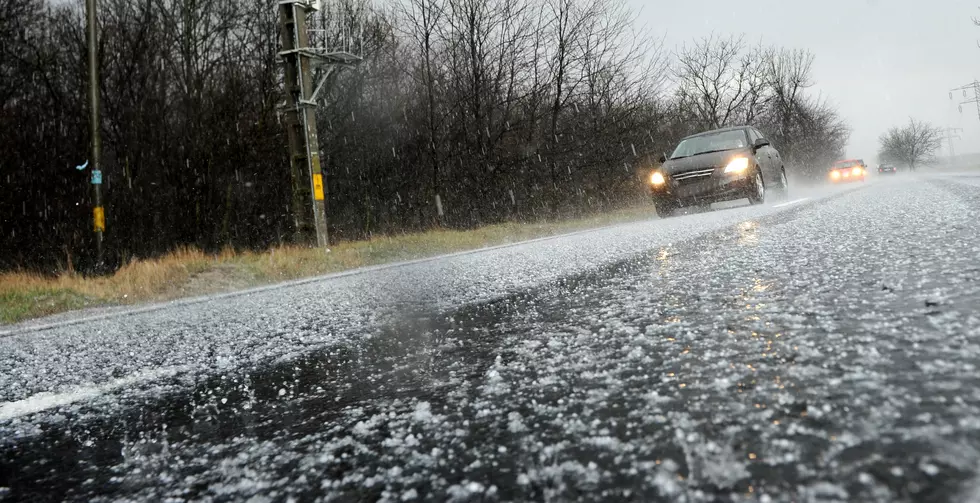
(821, 349)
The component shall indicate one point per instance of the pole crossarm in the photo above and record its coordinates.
(324, 57)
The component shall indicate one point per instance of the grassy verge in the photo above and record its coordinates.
(189, 272)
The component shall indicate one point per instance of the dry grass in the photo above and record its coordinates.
(28, 295)
(188, 272)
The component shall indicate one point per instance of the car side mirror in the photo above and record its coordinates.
(761, 142)
(663, 158)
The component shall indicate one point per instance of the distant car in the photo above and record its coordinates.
(719, 165)
(887, 169)
(849, 170)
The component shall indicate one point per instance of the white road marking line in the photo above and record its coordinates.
(795, 201)
(43, 401)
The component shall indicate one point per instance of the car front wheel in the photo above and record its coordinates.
(782, 191)
(757, 192)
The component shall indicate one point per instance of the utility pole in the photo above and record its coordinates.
(973, 86)
(308, 202)
(98, 213)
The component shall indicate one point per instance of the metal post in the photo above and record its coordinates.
(300, 111)
(98, 213)
(304, 148)
(976, 95)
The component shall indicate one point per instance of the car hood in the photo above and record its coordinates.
(702, 161)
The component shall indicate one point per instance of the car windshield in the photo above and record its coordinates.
(846, 164)
(710, 142)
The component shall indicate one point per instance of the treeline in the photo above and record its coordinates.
(505, 109)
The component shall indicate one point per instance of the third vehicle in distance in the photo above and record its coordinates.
(719, 165)
(887, 169)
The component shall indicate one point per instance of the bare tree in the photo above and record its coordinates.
(911, 145)
(787, 74)
(619, 65)
(721, 81)
(566, 20)
(15, 37)
(818, 137)
(423, 18)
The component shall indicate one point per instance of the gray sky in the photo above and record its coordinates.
(878, 61)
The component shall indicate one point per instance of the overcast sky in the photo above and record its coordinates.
(878, 61)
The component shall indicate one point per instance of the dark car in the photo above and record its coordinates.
(848, 170)
(887, 169)
(719, 165)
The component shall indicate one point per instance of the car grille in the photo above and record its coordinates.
(692, 176)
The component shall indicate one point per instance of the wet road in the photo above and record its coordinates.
(824, 349)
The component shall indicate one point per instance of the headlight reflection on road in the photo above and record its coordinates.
(779, 382)
(760, 285)
(748, 233)
(663, 261)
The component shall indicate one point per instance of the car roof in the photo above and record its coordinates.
(719, 130)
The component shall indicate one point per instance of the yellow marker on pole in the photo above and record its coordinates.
(98, 218)
(318, 186)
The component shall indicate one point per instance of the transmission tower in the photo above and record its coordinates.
(951, 134)
(966, 89)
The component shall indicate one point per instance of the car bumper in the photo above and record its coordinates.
(888, 171)
(715, 188)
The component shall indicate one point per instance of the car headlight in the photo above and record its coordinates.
(657, 178)
(856, 171)
(835, 174)
(737, 165)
